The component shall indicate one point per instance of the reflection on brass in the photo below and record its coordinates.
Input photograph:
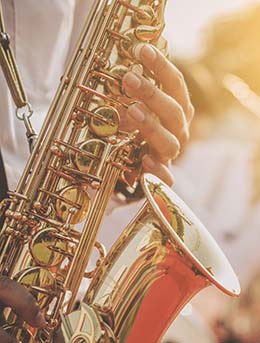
(102, 253)
(171, 211)
(126, 45)
(147, 17)
(84, 326)
(151, 272)
(41, 283)
(118, 72)
(109, 128)
(81, 154)
(89, 163)
(77, 196)
(46, 249)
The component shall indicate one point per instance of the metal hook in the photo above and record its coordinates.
(25, 114)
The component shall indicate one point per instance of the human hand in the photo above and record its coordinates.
(22, 302)
(161, 115)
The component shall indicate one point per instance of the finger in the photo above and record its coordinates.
(58, 337)
(162, 141)
(2, 317)
(137, 68)
(21, 301)
(167, 74)
(152, 166)
(166, 108)
(5, 338)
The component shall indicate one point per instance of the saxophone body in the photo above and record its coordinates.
(80, 155)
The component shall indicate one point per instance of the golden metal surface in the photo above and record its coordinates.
(110, 127)
(76, 204)
(90, 163)
(41, 281)
(79, 157)
(117, 72)
(84, 326)
(154, 269)
(47, 249)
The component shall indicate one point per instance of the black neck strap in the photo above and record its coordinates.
(3, 180)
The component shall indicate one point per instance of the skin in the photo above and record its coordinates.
(162, 116)
(22, 302)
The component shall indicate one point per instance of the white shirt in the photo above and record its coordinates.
(219, 188)
(43, 36)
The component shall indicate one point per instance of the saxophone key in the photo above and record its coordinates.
(89, 114)
(93, 92)
(89, 157)
(89, 178)
(12, 232)
(16, 195)
(115, 88)
(109, 128)
(40, 282)
(86, 326)
(61, 198)
(63, 175)
(76, 197)
(143, 15)
(48, 248)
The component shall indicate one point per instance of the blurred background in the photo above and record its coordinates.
(216, 45)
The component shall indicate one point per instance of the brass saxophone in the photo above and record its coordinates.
(165, 255)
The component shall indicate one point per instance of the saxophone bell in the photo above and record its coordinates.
(79, 157)
(162, 259)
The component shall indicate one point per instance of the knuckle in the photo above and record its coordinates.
(161, 63)
(173, 152)
(152, 131)
(184, 136)
(148, 90)
(151, 126)
(31, 301)
(164, 159)
(179, 79)
(190, 112)
(170, 153)
(179, 114)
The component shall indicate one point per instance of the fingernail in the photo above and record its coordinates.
(145, 51)
(40, 320)
(136, 113)
(132, 80)
(137, 69)
(148, 162)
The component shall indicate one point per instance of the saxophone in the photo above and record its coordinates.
(165, 255)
